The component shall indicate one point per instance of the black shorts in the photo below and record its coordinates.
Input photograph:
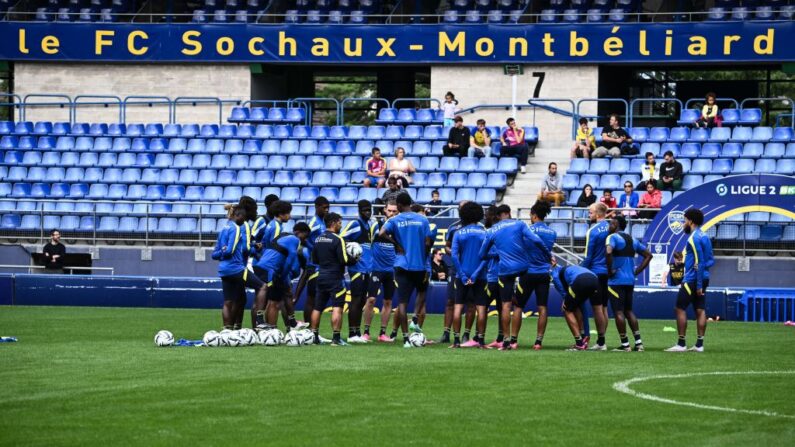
(252, 280)
(475, 293)
(451, 290)
(493, 292)
(506, 287)
(311, 280)
(687, 296)
(277, 288)
(602, 295)
(620, 297)
(382, 282)
(584, 288)
(529, 284)
(360, 284)
(409, 281)
(333, 291)
(234, 287)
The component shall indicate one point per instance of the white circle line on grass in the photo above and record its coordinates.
(624, 387)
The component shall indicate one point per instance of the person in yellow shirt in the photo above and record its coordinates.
(480, 141)
(585, 141)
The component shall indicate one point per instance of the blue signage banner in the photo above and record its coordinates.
(720, 200)
(703, 42)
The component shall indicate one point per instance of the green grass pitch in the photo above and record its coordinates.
(92, 376)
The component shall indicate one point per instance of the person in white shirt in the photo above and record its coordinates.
(649, 171)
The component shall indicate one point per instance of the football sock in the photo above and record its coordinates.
(237, 327)
(383, 331)
(638, 341)
(500, 337)
(260, 318)
(578, 341)
(700, 341)
(681, 341)
(414, 319)
(624, 339)
(358, 332)
(480, 338)
(317, 336)
(393, 334)
(351, 332)
(228, 327)
(506, 343)
(405, 337)
(582, 334)
(456, 339)
(335, 337)
(446, 333)
(367, 329)
(291, 320)
(467, 332)
(539, 339)
(600, 339)
(513, 339)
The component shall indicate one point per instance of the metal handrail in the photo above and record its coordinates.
(106, 104)
(632, 103)
(307, 102)
(13, 105)
(692, 100)
(559, 111)
(275, 102)
(341, 121)
(66, 267)
(489, 106)
(195, 100)
(68, 102)
(148, 100)
(598, 100)
(438, 103)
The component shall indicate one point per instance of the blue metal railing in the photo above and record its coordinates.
(13, 104)
(341, 121)
(196, 100)
(116, 99)
(783, 99)
(631, 119)
(598, 100)
(537, 103)
(398, 100)
(490, 106)
(149, 101)
(771, 305)
(69, 103)
(308, 102)
(731, 100)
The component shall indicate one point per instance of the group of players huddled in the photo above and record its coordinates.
(495, 259)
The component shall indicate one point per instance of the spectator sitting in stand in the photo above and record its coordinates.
(585, 142)
(651, 199)
(435, 202)
(401, 167)
(709, 113)
(393, 190)
(587, 198)
(449, 108)
(457, 139)
(550, 186)
(629, 199)
(649, 171)
(513, 144)
(376, 170)
(54, 252)
(480, 141)
(608, 199)
(615, 141)
(438, 266)
(671, 173)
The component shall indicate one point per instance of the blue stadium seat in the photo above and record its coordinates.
(658, 135)
(753, 150)
(708, 150)
(701, 166)
(743, 166)
(785, 166)
(701, 135)
(740, 13)
(600, 165)
(780, 134)
(688, 117)
(579, 166)
(774, 150)
(386, 116)
(472, 16)
(679, 135)
(731, 150)
(786, 12)
(762, 134)
(740, 134)
(690, 181)
(720, 134)
(429, 164)
(611, 182)
(716, 14)
(393, 133)
(722, 166)
(765, 166)
(750, 117)
(589, 179)
(405, 116)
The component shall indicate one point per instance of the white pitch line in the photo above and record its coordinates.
(623, 387)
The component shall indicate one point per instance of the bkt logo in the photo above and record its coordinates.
(722, 190)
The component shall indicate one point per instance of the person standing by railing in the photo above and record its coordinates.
(54, 252)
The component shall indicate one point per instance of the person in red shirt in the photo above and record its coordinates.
(651, 199)
(376, 170)
(608, 199)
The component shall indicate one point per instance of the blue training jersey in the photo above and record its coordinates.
(570, 274)
(493, 274)
(595, 237)
(383, 252)
(694, 257)
(258, 228)
(280, 259)
(623, 266)
(410, 231)
(361, 232)
(230, 249)
(448, 240)
(514, 242)
(316, 228)
(539, 259)
(434, 232)
(466, 247)
(709, 258)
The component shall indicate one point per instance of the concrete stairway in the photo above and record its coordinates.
(524, 191)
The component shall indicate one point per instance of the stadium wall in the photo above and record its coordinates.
(487, 84)
(225, 81)
(205, 293)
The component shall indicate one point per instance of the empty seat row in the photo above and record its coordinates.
(620, 166)
(760, 134)
(761, 12)
(292, 115)
(113, 224)
(720, 150)
(730, 117)
(306, 194)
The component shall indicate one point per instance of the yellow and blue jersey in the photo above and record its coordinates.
(514, 242)
(694, 259)
(361, 232)
(316, 228)
(231, 249)
(466, 247)
(595, 258)
(624, 250)
(410, 231)
(539, 259)
(383, 252)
